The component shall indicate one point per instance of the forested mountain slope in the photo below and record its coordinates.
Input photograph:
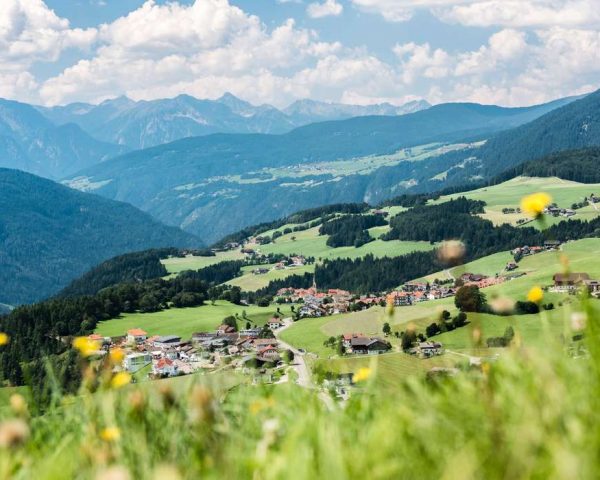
(50, 234)
(216, 184)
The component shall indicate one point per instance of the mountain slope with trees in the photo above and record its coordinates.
(190, 183)
(51, 234)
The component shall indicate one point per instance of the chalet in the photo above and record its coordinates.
(136, 335)
(168, 341)
(260, 271)
(429, 349)
(165, 368)
(510, 266)
(136, 361)
(298, 261)
(201, 337)
(401, 299)
(415, 287)
(264, 342)
(369, 345)
(569, 282)
(552, 244)
(251, 332)
(275, 323)
(94, 337)
(225, 329)
(279, 266)
(269, 352)
(347, 339)
(381, 213)
(247, 251)
(593, 287)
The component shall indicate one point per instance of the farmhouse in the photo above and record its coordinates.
(593, 287)
(429, 349)
(136, 335)
(569, 282)
(368, 345)
(275, 323)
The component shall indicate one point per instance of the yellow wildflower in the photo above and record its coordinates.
(362, 375)
(536, 203)
(120, 380)
(110, 434)
(116, 355)
(18, 404)
(535, 295)
(86, 346)
(4, 338)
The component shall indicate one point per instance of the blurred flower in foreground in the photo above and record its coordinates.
(451, 252)
(18, 404)
(113, 473)
(110, 434)
(116, 356)
(389, 305)
(502, 305)
(120, 380)
(13, 433)
(578, 321)
(535, 295)
(536, 203)
(362, 375)
(4, 338)
(86, 346)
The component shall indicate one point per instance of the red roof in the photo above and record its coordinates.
(137, 332)
(164, 362)
(95, 336)
(266, 349)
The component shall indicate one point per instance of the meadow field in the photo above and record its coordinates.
(250, 282)
(177, 265)
(509, 195)
(186, 321)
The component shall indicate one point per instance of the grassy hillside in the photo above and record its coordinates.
(184, 321)
(583, 255)
(510, 193)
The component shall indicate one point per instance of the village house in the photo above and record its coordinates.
(510, 266)
(298, 261)
(224, 329)
(136, 335)
(593, 287)
(569, 282)
(168, 341)
(275, 323)
(552, 244)
(429, 349)
(368, 345)
(260, 271)
(269, 352)
(165, 368)
(136, 361)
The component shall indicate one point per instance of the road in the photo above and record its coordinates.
(304, 378)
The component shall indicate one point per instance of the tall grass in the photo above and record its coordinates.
(531, 414)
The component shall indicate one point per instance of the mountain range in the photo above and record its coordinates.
(217, 184)
(51, 234)
(146, 124)
(31, 142)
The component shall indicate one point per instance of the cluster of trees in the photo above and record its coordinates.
(218, 273)
(577, 165)
(369, 274)
(504, 340)
(446, 323)
(128, 268)
(350, 230)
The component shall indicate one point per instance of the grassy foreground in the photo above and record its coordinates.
(532, 414)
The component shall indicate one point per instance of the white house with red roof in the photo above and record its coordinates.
(165, 368)
(136, 335)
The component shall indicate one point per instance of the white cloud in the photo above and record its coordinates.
(485, 13)
(326, 9)
(210, 46)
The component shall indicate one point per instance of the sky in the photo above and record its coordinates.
(505, 52)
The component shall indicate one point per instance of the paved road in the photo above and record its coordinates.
(304, 378)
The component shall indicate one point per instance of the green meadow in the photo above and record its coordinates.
(310, 244)
(250, 282)
(510, 193)
(185, 321)
(177, 265)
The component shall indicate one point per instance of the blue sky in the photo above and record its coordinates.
(509, 52)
